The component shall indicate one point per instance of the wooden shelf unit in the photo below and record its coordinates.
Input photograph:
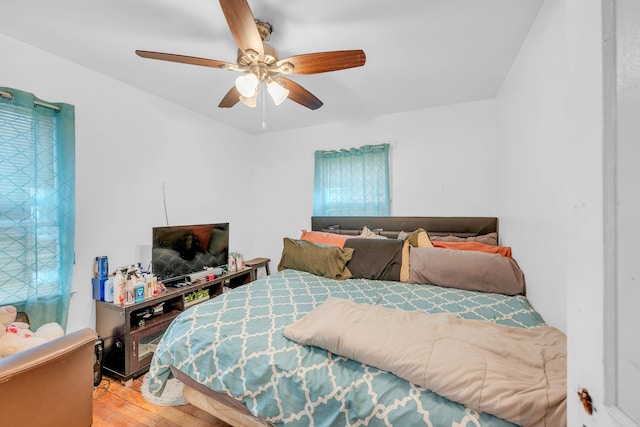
(129, 342)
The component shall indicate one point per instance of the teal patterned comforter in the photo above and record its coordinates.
(233, 344)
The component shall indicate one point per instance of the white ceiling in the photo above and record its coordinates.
(453, 50)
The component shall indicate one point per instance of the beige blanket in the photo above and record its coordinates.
(513, 373)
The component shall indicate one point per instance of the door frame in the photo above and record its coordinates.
(610, 144)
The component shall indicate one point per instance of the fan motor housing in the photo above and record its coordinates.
(271, 56)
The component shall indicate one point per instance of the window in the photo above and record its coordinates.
(353, 182)
(37, 205)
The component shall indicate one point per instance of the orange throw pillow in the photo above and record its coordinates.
(326, 238)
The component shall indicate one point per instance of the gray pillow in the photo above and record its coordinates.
(469, 270)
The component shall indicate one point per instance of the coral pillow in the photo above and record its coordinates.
(474, 246)
(326, 238)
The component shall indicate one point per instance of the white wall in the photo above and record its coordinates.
(443, 163)
(128, 144)
(532, 163)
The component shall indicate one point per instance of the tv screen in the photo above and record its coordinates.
(180, 250)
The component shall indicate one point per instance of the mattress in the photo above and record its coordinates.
(233, 344)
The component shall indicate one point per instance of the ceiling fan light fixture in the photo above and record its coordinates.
(277, 92)
(249, 101)
(247, 85)
(260, 63)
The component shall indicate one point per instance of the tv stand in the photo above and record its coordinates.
(131, 332)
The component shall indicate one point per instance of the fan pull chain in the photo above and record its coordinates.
(264, 106)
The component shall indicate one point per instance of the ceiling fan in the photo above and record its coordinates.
(260, 62)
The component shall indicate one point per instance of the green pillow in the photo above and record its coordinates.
(316, 258)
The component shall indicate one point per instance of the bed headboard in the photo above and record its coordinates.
(390, 226)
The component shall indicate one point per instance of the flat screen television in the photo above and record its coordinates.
(178, 251)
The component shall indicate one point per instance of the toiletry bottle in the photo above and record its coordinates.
(119, 285)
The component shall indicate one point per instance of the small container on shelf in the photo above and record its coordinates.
(196, 297)
(130, 292)
(101, 267)
(239, 260)
(231, 266)
(139, 289)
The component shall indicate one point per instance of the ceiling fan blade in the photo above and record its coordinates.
(183, 59)
(299, 94)
(322, 62)
(242, 25)
(231, 98)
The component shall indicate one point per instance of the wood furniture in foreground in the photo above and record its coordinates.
(49, 384)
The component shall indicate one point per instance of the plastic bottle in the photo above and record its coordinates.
(108, 289)
(130, 290)
(119, 285)
(149, 285)
(231, 266)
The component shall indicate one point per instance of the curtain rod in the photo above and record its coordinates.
(9, 97)
(46, 104)
(373, 147)
(6, 95)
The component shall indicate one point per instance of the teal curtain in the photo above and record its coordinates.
(37, 205)
(352, 182)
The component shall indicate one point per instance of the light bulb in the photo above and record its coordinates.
(277, 92)
(247, 84)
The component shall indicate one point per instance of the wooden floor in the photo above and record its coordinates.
(115, 404)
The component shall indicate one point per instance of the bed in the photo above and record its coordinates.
(235, 361)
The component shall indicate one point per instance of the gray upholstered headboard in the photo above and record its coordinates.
(390, 226)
